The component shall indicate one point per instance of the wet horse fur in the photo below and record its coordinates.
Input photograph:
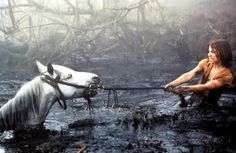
(32, 103)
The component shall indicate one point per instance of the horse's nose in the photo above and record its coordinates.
(96, 79)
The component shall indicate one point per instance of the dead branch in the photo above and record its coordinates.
(123, 41)
(81, 150)
(104, 26)
(15, 6)
(12, 15)
(134, 6)
(111, 23)
(70, 4)
(56, 56)
(53, 11)
(107, 49)
(214, 30)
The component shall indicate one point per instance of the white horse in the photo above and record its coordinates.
(30, 106)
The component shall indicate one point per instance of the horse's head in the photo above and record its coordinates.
(72, 84)
(31, 104)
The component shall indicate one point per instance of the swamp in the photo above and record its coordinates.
(128, 43)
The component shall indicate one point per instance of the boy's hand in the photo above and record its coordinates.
(180, 89)
(169, 88)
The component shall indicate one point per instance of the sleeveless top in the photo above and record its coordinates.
(224, 75)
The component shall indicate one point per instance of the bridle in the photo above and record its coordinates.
(89, 90)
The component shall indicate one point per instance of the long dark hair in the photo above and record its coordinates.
(223, 51)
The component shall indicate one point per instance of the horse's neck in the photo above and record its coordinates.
(46, 96)
(35, 99)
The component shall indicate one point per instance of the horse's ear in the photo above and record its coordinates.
(50, 69)
(41, 68)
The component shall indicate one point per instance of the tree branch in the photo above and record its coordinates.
(134, 6)
(13, 21)
(70, 12)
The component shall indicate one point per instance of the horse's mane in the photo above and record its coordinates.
(16, 109)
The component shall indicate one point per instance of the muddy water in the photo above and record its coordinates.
(144, 121)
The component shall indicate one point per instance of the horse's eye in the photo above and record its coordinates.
(69, 76)
(58, 77)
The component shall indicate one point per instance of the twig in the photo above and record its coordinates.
(81, 150)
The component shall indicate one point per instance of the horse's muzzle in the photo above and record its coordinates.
(92, 89)
(96, 80)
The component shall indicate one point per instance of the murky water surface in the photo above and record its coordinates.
(144, 121)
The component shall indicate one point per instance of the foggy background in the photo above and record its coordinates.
(128, 43)
(72, 32)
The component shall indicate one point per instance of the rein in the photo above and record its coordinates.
(133, 88)
(54, 82)
(116, 100)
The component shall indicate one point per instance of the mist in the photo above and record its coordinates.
(72, 31)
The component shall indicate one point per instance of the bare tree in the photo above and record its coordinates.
(81, 28)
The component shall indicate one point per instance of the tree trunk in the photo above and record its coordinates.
(12, 15)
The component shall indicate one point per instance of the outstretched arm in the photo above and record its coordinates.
(184, 77)
(214, 84)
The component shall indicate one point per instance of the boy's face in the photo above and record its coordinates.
(212, 56)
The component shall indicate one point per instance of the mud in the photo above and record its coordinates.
(144, 121)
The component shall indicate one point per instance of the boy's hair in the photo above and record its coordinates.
(223, 51)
